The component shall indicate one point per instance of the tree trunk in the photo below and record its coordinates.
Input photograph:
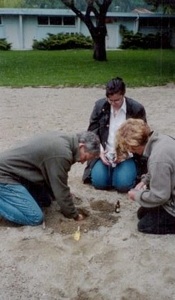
(98, 30)
(99, 48)
(99, 38)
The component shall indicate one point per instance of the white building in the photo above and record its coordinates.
(21, 26)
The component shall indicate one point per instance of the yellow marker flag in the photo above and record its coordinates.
(77, 234)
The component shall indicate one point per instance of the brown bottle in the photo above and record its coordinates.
(117, 207)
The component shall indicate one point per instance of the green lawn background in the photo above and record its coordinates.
(77, 68)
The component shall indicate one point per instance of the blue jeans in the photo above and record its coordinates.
(122, 177)
(18, 206)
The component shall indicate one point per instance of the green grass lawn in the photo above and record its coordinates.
(77, 68)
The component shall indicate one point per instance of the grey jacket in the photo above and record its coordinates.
(160, 151)
(47, 159)
(100, 120)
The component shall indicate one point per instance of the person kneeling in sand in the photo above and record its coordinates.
(42, 161)
(107, 116)
(156, 190)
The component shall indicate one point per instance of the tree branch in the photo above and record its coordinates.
(71, 5)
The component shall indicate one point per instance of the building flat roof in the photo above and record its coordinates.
(69, 12)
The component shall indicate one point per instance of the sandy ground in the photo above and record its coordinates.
(111, 261)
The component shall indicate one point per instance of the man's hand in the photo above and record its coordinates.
(140, 186)
(80, 217)
(131, 194)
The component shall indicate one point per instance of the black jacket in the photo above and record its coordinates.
(99, 123)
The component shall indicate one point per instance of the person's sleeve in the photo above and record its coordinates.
(94, 120)
(142, 113)
(57, 171)
(160, 186)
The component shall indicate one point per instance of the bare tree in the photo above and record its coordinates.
(97, 29)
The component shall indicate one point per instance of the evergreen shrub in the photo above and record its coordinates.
(142, 41)
(63, 41)
(4, 45)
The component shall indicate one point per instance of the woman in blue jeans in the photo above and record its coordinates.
(107, 116)
(122, 177)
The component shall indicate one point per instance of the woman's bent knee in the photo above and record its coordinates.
(35, 220)
(100, 176)
(123, 187)
(124, 176)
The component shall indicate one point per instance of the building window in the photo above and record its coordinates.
(68, 20)
(55, 21)
(43, 20)
(0, 20)
(155, 22)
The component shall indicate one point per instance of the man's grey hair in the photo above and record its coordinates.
(90, 140)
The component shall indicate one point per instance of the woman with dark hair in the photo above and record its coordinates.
(107, 116)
